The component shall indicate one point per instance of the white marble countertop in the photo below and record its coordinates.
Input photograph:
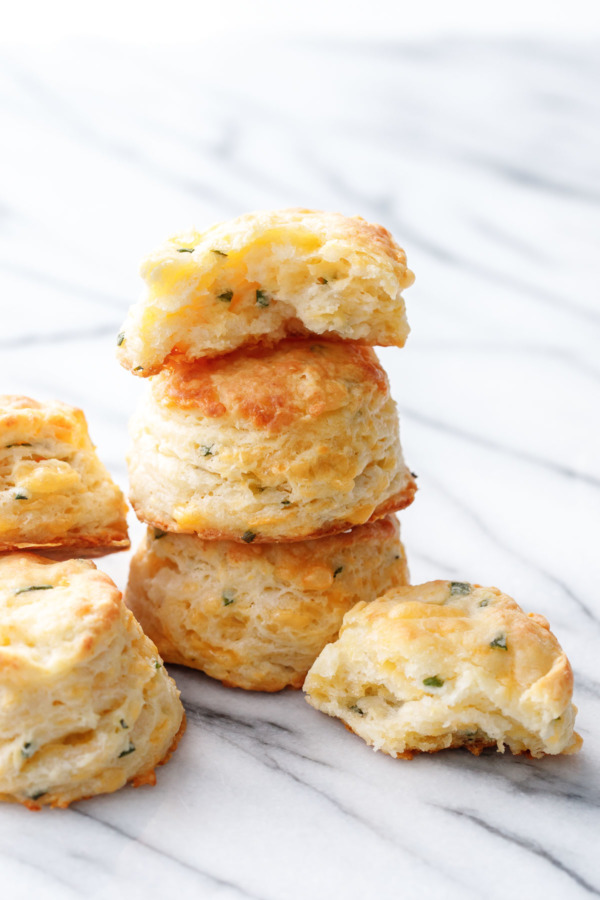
(482, 158)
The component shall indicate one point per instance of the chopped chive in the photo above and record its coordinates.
(248, 536)
(18, 444)
(433, 681)
(338, 571)
(185, 249)
(414, 474)
(120, 338)
(321, 280)
(129, 750)
(35, 587)
(499, 642)
(123, 723)
(157, 664)
(356, 709)
(158, 534)
(218, 252)
(285, 502)
(37, 795)
(28, 749)
(21, 494)
(262, 298)
(228, 598)
(459, 588)
(205, 450)
(139, 369)
(226, 296)
(484, 602)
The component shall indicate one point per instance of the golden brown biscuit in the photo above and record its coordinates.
(264, 276)
(55, 494)
(256, 616)
(86, 703)
(447, 664)
(287, 443)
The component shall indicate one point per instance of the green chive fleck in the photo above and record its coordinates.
(139, 369)
(129, 750)
(27, 750)
(433, 681)
(484, 602)
(228, 598)
(157, 664)
(21, 494)
(18, 444)
(205, 450)
(262, 299)
(120, 338)
(35, 587)
(321, 280)
(285, 502)
(185, 249)
(218, 252)
(158, 534)
(226, 296)
(414, 474)
(459, 588)
(37, 795)
(356, 709)
(123, 723)
(248, 536)
(499, 642)
(338, 571)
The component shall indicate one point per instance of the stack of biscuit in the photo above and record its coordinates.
(265, 458)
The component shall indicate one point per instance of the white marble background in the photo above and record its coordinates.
(483, 159)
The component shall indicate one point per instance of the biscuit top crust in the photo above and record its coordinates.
(457, 622)
(272, 388)
(25, 420)
(307, 229)
(52, 615)
(18, 401)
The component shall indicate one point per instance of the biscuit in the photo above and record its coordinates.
(447, 664)
(284, 443)
(55, 494)
(86, 703)
(262, 277)
(256, 616)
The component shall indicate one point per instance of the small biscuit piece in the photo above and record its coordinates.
(264, 276)
(447, 664)
(256, 616)
(288, 443)
(55, 494)
(85, 702)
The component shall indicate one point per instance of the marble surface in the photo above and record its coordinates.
(482, 157)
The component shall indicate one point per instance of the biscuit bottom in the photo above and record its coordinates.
(257, 616)
(87, 704)
(444, 665)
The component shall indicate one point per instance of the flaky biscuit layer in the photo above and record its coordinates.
(257, 616)
(287, 443)
(85, 701)
(55, 494)
(447, 664)
(264, 276)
